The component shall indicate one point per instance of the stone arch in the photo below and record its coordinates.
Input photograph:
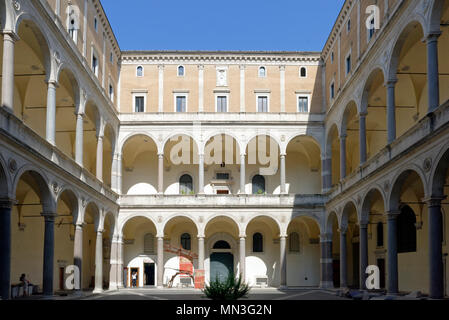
(70, 197)
(268, 216)
(350, 204)
(368, 83)
(39, 183)
(5, 180)
(332, 218)
(260, 134)
(225, 133)
(130, 136)
(439, 172)
(398, 182)
(165, 142)
(177, 215)
(229, 218)
(122, 224)
(367, 202)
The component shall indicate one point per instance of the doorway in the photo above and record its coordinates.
(148, 274)
(136, 271)
(221, 265)
(356, 265)
(336, 273)
(381, 265)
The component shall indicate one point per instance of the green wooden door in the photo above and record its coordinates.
(221, 265)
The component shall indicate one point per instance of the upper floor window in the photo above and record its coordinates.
(332, 57)
(139, 104)
(303, 104)
(95, 64)
(262, 104)
(185, 184)
(73, 22)
(96, 24)
(181, 71)
(111, 57)
(181, 103)
(258, 184)
(348, 26)
(111, 92)
(257, 242)
(139, 71)
(348, 64)
(372, 29)
(186, 241)
(303, 72)
(222, 104)
(294, 243)
(332, 91)
(262, 72)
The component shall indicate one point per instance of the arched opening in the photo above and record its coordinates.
(303, 265)
(407, 197)
(31, 69)
(258, 184)
(351, 221)
(67, 99)
(140, 252)
(108, 152)
(186, 185)
(257, 242)
(262, 158)
(180, 158)
(333, 152)
(374, 102)
(91, 223)
(28, 229)
(181, 257)
(90, 132)
(139, 166)
(109, 226)
(350, 128)
(374, 209)
(303, 166)
(411, 95)
(332, 228)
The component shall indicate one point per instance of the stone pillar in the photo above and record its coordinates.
(78, 253)
(433, 81)
(283, 261)
(363, 254)
(9, 40)
(160, 262)
(343, 156)
(243, 257)
(362, 118)
(242, 174)
(391, 110)
(79, 138)
(51, 113)
(201, 174)
(160, 174)
(161, 89)
(116, 173)
(343, 259)
(201, 88)
(436, 270)
(100, 157)
(201, 253)
(99, 262)
(392, 253)
(326, 261)
(113, 274)
(49, 253)
(120, 263)
(283, 187)
(5, 248)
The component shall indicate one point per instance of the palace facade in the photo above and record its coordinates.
(292, 169)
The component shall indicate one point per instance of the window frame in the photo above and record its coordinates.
(183, 70)
(300, 73)
(348, 56)
(189, 239)
(140, 94)
(332, 90)
(290, 239)
(181, 94)
(218, 95)
(262, 244)
(137, 71)
(191, 178)
(260, 95)
(303, 95)
(265, 74)
(95, 69)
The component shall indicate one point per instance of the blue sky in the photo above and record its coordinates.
(290, 25)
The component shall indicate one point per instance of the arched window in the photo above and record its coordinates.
(257, 242)
(262, 72)
(139, 71)
(293, 242)
(222, 245)
(186, 241)
(148, 243)
(380, 234)
(73, 22)
(406, 230)
(258, 184)
(181, 71)
(185, 184)
(303, 72)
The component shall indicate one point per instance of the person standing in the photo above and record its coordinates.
(134, 279)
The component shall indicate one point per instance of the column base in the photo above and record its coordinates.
(283, 288)
(97, 290)
(326, 285)
(159, 287)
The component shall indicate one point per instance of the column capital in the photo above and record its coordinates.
(52, 83)
(201, 237)
(343, 229)
(99, 232)
(161, 67)
(363, 114)
(393, 214)
(242, 67)
(80, 114)
(160, 155)
(242, 237)
(363, 224)
(434, 201)
(282, 68)
(201, 67)
(283, 155)
(49, 216)
(80, 225)
(325, 237)
(391, 83)
(9, 35)
(432, 37)
(343, 136)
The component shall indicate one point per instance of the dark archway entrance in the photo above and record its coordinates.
(221, 265)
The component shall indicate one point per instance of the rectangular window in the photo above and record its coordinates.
(262, 104)
(222, 104)
(111, 58)
(371, 30)
(140, 104)
(303, 104)
(96, 24)
(348, 64)
(111, 93)
(332, 91)
(95, 64)
(181, 104)
(349, 26)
